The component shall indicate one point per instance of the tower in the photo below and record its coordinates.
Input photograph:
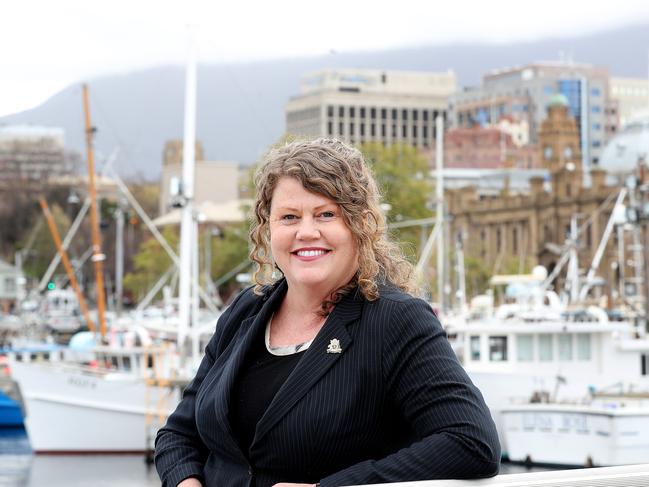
(560, 152)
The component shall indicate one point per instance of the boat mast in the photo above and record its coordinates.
(119, 257)
(66, 262)
(439, 193)
(187, 242)
(97, 256)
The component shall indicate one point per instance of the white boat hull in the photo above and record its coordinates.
(581, 436)
(502, 389)
(72, 410)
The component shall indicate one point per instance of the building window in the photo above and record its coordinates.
(373, 113)
(475, 347)
(330, 111)
(498, 348)
(394, 114)
(330, 128)
(362, 127)
(424, 114)
(424, 130)
(597, 126)
(498, 240)
(595, 92)
(341, 128)
(414, 131)
(597, 143)
(394, 131)
(644, 364)
(583, 346)
(352, 112)
(565, 347)
(362, 112)
(373, 130)
(525, 348)
(382, 130)
(404, 114)
(351, 128)
(404, 131)
(545, 347)
(341, 111)
(415, 115)
(596, 109)
(384, 113)
(10, 285)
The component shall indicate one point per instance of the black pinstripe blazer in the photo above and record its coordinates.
(393, 405)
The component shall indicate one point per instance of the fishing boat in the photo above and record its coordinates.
(94, 399)
(606, 430)
(513, 359)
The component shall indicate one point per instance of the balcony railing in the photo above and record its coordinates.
(625, 476)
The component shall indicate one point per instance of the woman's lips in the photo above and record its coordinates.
(310, 254)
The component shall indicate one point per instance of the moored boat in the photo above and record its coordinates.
(612, 431)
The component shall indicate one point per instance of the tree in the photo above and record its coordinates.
(228, 252)
(43, 249)
(401, 173)
(150, 263)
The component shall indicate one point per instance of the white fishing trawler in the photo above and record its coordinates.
(611, 429)
(93, 400)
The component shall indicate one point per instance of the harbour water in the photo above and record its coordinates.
(20, 468)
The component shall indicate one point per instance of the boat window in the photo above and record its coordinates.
(565, 347)
(475, 347)
(498, 348)
(545, 347)
(583, 346)
(525, 348)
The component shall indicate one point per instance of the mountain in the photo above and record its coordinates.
(241, 106)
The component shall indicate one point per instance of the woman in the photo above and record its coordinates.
(332, 374)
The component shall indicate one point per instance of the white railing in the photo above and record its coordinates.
(625, 476)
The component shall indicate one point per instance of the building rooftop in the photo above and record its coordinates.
(379, 81)
(30, 131)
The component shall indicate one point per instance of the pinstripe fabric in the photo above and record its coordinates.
(395, 405)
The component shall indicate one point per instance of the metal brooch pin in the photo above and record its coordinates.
(334, 346)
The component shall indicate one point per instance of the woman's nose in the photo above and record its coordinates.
(307, 229)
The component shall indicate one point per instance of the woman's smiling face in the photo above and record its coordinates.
(309, 239)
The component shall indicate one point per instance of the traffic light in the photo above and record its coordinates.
(51, 286)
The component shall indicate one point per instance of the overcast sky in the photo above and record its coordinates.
(48, 44)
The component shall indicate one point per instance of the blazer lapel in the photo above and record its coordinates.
(250, 328)
(315, 363)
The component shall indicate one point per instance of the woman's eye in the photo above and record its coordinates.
(289, 217)
(327, 214)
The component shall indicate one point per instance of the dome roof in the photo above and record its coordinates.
(621, 154)
(558, 99)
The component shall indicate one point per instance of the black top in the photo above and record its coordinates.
(257, 383)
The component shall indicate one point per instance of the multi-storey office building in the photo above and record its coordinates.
(523, 93)
(632, 95)
(361, 105)
(32, 154)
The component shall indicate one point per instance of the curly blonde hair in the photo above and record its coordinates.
(337, 171)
